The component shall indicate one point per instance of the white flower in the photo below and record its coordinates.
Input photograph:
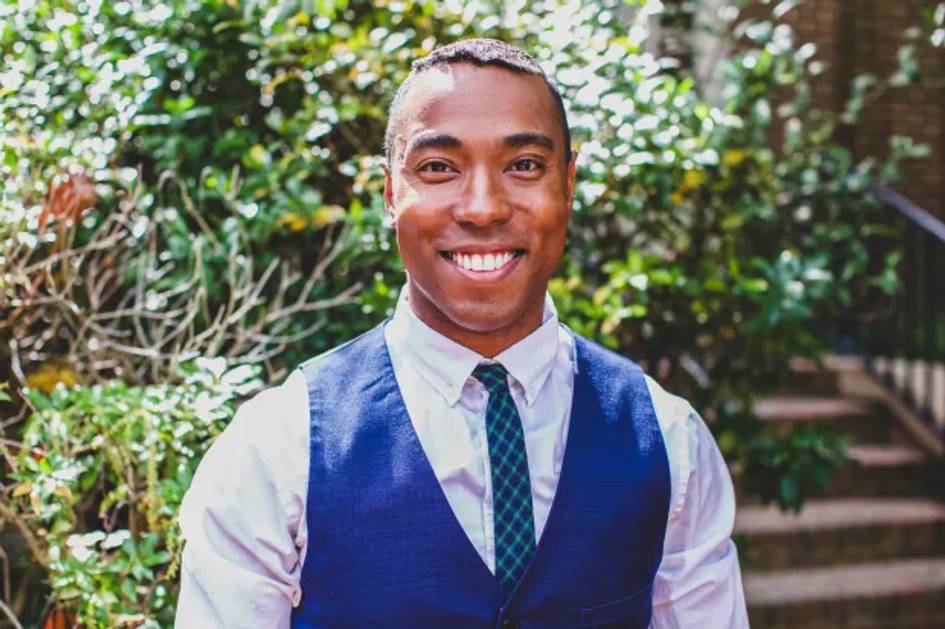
(116, 539)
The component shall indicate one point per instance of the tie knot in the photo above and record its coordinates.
(492, 376)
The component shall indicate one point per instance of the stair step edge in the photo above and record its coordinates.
(839, 513)
(886, 455)
(880, 579)
(812, 407)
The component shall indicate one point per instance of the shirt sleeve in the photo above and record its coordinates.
(243, 518)
(698, 583)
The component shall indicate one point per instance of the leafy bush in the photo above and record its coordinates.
(98, 480)
(804, 459)
(711, 242)
(230, 152)
(135, 292)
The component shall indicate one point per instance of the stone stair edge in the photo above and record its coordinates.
(869, 554)
(885, 455)
(839, 513)
(875, 579)
(812, 407)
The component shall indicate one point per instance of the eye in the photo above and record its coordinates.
(435, 166)
(526, 164)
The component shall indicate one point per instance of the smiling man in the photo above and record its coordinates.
(471, 462)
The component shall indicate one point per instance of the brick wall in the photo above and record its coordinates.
(857, 36)
(852, 37)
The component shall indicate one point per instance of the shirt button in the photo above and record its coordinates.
(509, 623)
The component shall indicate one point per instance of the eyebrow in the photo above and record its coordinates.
(433, 141)
(519, 140)
(446, 141)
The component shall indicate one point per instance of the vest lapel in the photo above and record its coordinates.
(387, 389)
(385, 547)
(585, 411)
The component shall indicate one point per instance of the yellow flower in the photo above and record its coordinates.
(328, 214)
(692, 180)
(292, 221)
(48, 375)
(733, 157)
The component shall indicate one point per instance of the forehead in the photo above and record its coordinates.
(471, 102)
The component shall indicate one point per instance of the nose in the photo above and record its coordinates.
(483, 201)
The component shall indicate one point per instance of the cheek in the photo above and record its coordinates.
(552, 225)
(415, 226)
(407, 237)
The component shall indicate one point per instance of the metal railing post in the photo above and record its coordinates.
(917, 326)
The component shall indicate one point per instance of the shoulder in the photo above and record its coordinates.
(264, 426)
(601, 358)
(360, 352)
(263, 451)
(616, 380)
(694, 457)
(673, 412)
(272, 408)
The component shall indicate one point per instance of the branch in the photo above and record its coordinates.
(10, 615)
(7, 513)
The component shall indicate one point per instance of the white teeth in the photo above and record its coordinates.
(482, 262)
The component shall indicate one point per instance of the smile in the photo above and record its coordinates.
(482, 262)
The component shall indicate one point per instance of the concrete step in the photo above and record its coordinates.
(907, 594)
(864, 420)
(808, 378)
(884, 470)
(840, 530)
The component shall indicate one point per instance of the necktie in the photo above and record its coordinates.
(514, 524)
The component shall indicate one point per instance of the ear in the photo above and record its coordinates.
(570, 177)
(388, 193)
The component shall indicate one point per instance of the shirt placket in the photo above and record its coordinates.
(477, 407)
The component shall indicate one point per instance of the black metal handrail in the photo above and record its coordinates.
(906, 347)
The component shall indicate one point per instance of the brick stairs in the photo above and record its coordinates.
(870, 554)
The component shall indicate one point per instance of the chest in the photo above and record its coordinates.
(454, 441)
(378, 515)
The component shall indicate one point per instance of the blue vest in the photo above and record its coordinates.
(385, 549)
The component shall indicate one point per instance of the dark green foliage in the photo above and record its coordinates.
(710, 240)
(789, 470)
(98, 480)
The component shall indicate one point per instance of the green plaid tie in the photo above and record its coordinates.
(511, 488)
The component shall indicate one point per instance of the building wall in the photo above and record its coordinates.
(852, 37)
(858, 36)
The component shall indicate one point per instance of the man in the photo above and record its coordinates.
(470, 463)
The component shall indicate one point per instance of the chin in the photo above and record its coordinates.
(481, 317)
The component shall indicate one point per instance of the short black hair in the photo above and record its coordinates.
(480, 52)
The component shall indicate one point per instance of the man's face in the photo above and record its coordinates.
(480, 193)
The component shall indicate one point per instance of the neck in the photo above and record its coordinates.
(487, 342)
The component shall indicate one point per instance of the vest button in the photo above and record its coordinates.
(510, 623)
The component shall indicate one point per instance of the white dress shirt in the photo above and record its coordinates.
(244, 516)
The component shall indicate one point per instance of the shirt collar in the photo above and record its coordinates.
(446, 365)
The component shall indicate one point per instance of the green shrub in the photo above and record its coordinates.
(98, 480)
(711, 237)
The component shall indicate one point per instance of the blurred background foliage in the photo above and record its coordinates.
(192, 204)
